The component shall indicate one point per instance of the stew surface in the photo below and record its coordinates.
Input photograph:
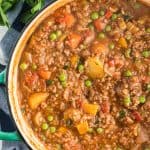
(85, 77)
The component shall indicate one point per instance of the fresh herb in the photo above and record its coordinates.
(34, 7)
(122, 114)
(6, 5)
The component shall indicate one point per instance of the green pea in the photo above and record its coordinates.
(146, 53)
(23, 66)
(80, 67)
(94, 15)
(127, 73)
(101, 35)
(58, 33)
(114, 17)
(148, 30)
(101, 12)
(127, 53)
(53, 36)
(142, 99)
(34, 66)
(108, 28)
(64, 84)
(111, 46)
(52, 129)
(88, 83)
(49, 82)
(148, 87)
(50, 118)
(62, 77)
(90, 130)
(127, 101)
(44, 126)
(99, 130)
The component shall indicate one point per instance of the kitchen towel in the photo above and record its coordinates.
(7, 42)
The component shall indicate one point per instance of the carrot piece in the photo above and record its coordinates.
(45, 74)
(36, 99)
(90, 108)
(82, 127)
(74, 60)
(123, 43)
(73, 40)
(67, 18)
(99, 24)
(108, 14)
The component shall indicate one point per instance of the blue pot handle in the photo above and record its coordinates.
(8, 136)
(3, 77)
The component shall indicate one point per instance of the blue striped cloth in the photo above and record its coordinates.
(6, 45)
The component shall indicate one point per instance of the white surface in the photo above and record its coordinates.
(3, 30)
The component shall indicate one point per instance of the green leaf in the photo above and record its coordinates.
(37, 7)
(6, 5)
(27, 16)
(1, 2)
(4, 18)
(31, 3)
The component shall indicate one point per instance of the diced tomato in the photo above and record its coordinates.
(137, 116)
(99, 24)
(105, 107)
(45, 74)
(111, 63)
(66, 18)
(108, 14)
(30, 78)
(73, 40)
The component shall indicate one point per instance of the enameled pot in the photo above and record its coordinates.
(9, 77)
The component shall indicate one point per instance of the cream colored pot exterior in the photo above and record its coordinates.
(13, 93)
